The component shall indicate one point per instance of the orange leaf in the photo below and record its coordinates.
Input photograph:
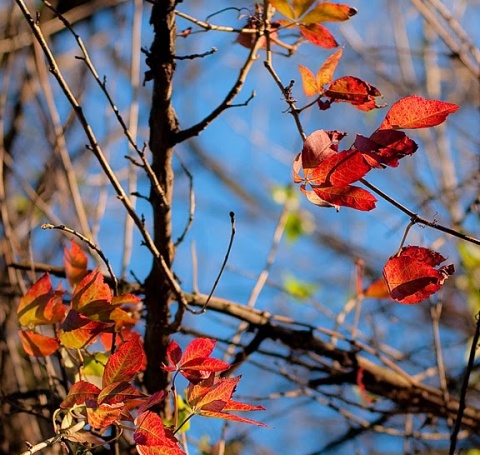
(78, 393)
(377, 290)
(75, 262)
(317, 200)
(36, 344)
(411, 276)
(77, 331)
(103, 415)
(417, 112)
(92, 296)
(325, 73)
(317, 34)
(41, 305)
(329, 12)
(309, 84)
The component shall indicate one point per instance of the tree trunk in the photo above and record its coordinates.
(163, 124)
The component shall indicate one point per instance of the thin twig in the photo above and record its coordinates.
(97, 151)
(91, 244)
(463, 391)
(222, 268)
(195, 130)
(416, 219)
(191, 210)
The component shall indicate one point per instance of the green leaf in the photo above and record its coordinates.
(302, 290)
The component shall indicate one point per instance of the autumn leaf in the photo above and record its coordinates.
(355, 91)
(329, 12)
(79, 393)
(78, 331)
(36, 344)
(411, 275)
(195, 364)
(75, 262)
(414, 112)
(92, 296)
(102, 415)
(309, 83)
(346, 196)
(377, 290)
(125, 363)
(385, 147)
(152, 438)
(212, 398)
(325, 74)
(313, 84)
(41, 305)
(318, 35)
(119, 392)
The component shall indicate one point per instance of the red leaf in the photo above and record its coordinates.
(352, 90)
(340, 169)
(36, 344)
(125, 363)
(411, 276)
(75, 262)
(152, 437)
(318, 146)
(41, 305)
(212, 398)
(317, 34)
(152, 400)
(347, 196)
(317, 200)
(417, 112)
(196, 363)
(385, 147)
(79, 393)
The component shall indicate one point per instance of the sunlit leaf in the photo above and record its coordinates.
(41, 305)
(301, 6)
(151, 433)
(75, 262)
(355, 91)
(347, 196)
(102, 415)
(329, 12)
(318, 35)
(125, 363)
(411, 276)
(416, 112)
(92, 296)
(309, 84)
(284, 7)
(325, 74)
(36, 344)
(79, 393)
